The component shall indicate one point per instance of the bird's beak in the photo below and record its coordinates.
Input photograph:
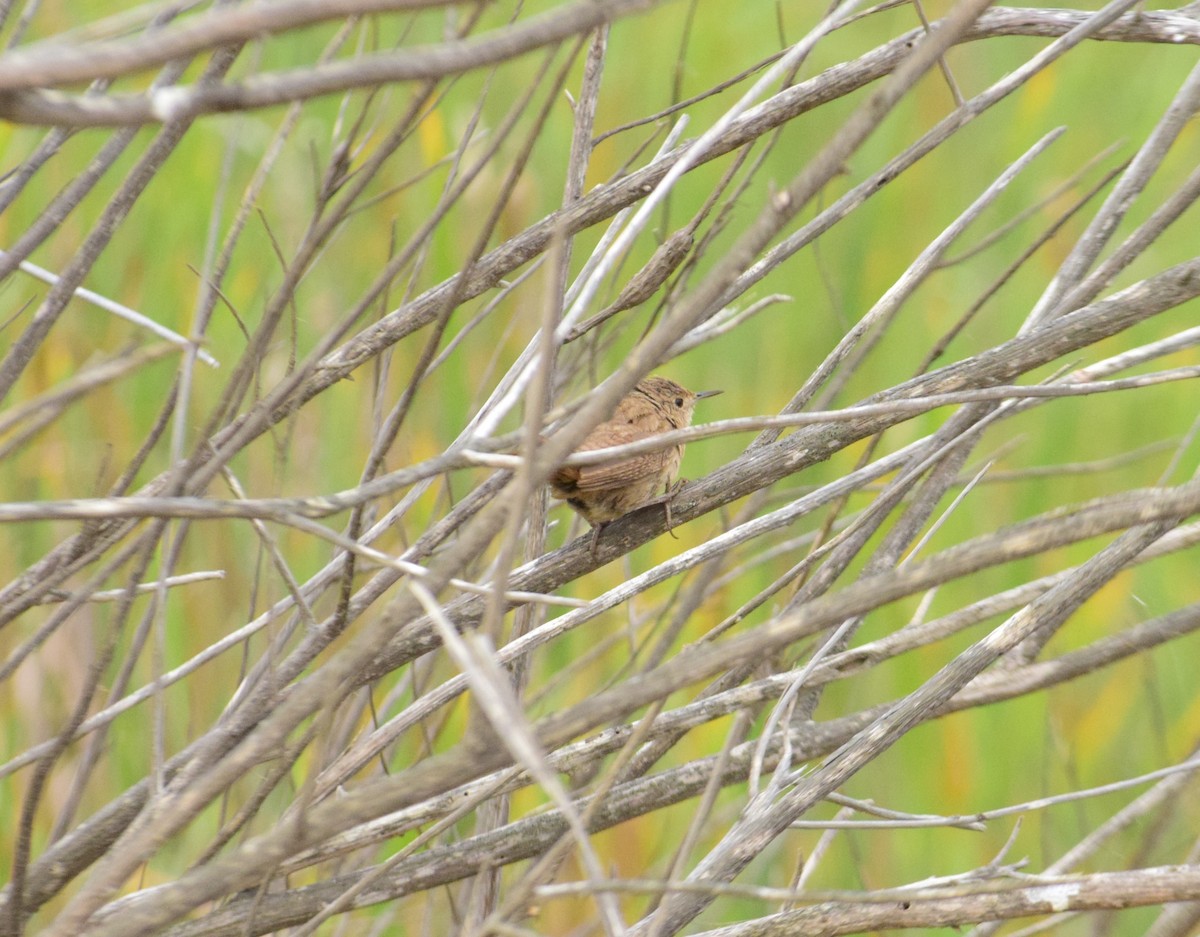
(708, 393)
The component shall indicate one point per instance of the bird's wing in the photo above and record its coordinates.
(622, 471)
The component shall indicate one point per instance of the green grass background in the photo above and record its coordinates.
(1133, 717)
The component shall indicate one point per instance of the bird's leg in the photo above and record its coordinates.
(669, 492)
(596, 537)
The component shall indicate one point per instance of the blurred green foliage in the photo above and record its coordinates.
(1106, 94)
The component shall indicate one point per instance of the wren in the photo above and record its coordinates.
(604, 492)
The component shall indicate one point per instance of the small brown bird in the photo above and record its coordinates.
(602, 493)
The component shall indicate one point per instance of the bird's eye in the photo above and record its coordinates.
(679, 401)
